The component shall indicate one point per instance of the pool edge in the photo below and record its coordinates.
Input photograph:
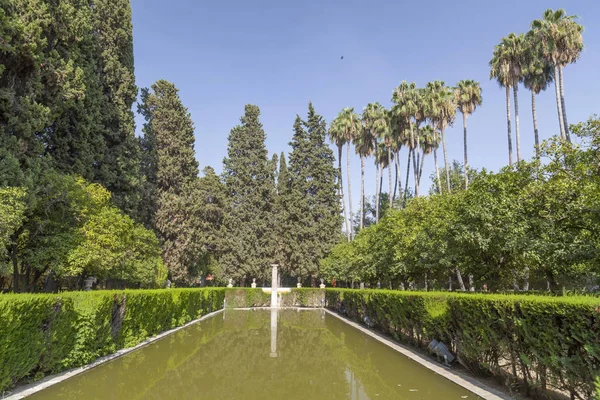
(23, 391)
(471, 384)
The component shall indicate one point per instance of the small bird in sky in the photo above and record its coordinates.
(342, 58)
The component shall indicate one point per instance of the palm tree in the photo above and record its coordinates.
(441, 109)
(538, 74)
(507, 66)
(337, 136)
(468, 98)
(348, 125)
(364, 145)
(376, 122)
(430, 141)
(382, 161)
(561, 42)
(406, 99)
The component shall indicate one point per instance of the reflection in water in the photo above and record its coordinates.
(277, 354)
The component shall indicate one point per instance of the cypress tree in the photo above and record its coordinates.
(313, 208)
(172, 176)
(248, 226)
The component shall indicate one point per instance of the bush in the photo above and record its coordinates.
(47, 333)
(247, 297)
(536, 342)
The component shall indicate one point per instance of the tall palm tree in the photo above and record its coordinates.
(441, 108)
(499, 70)
(348, 124)
(430, 141)
(511, 52)
(364, 146)
(539, 73)
(337, 136)
(561, 40)
(382, 161)
(406, 99)
(376, 121)
(468, 98)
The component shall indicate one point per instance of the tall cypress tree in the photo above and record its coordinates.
(248, 226)
(120, 167)
(172, 174)
(313, 208)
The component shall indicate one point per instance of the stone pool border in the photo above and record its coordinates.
(471, 384)
(23, 391)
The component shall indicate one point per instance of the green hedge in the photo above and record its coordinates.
(534, 342)
(47, 333)
(248, 297)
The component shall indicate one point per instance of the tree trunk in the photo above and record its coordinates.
(13, 257)
(349, 190)
(562, 104)
(390, 175)
(535, 126)
(398, 176)
(446, 161)
(508, 125)
(450, 281)
(426, 282)
(413, 146)
(407, 175)
(437, 171)
(377, 192)
(341, 188)
(466, 166)
(362, 190)
(517, 134)
(526, 280)
(561, 122)
(421, 165)
(460, 279)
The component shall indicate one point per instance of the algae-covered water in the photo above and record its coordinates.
(261, 354)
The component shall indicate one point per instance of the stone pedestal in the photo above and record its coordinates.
(322, 285)
(253, 283)
(230, 284)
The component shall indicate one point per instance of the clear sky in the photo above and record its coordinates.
(281, 54)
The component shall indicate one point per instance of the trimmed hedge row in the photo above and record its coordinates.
(42, 334)
(298, 297)
(534, 342)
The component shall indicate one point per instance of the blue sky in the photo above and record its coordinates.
(280, 55)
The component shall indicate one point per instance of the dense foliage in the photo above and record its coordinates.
(531, 226)
(530, 341)
(44, 334)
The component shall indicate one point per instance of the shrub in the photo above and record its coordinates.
(248, 297)
(537, 342)
(47, 333)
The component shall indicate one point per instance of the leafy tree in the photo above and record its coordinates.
(249, 244)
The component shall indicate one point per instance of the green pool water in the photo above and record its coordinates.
(261, 354)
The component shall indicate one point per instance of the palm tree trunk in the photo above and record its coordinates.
(376, 192)
(561, 122)
(362, 190)
(446, 160)
(466, 166)
(535, 126)
(518, 136)
(421, 165)
(508, 125)
(562, 104)
(390, 174)
(413, 145)
(407, 175)
(341, 189)
(437, 171)
(398, 175)
(349, 189)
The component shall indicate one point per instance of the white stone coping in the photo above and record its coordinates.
(23, 391)
(279, 290)
(479, 388)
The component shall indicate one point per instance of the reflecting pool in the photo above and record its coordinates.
(261, 354)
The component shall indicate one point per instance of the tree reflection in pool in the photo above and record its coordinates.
(234, 355)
